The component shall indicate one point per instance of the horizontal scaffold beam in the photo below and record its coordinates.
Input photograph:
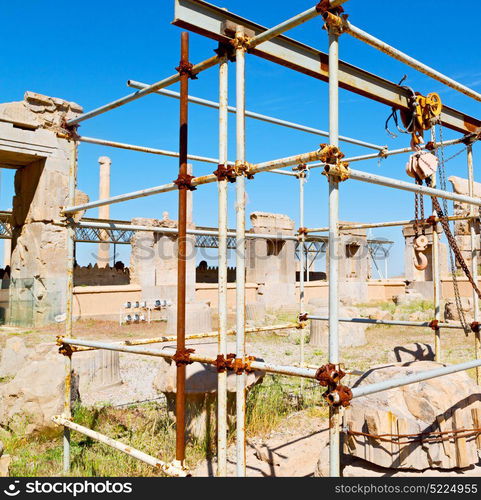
(209, 20)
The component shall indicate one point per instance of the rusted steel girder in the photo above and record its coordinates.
(211, 21)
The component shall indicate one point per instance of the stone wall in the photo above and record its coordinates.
(100, 276)
(32, 142)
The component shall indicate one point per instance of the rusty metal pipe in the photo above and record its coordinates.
(182, 252)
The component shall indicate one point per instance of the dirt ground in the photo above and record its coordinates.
(293, 448)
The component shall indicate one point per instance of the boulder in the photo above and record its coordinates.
(14, 356)
(350, 334)
(448, 403)
(377, 314)
(451, 312)
(411, 352)
(36, 393)
(201, 390)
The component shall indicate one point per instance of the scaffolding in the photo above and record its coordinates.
(237, 37)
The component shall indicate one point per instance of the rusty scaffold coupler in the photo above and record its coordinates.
(225, 173)
(339, 396)
(184, 181)
(329, 375)
(182, 357)
(186, 68)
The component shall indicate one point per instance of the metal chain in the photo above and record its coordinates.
(454, 250)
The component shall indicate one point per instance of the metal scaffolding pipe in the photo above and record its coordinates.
(260, 117)
(368, 225)
(142, 149)
(474, 263)
(388, 322)
(240, 253)
(302, 260)
(222, 188)
(208, 63)
(169, 469)
(196, 181)
(357, 175)
(169, 352)
(290, 24)
(333, 246)
(410, 61)
(436, 274)
(70, 234)
(180, 397)
(412, 379)
(197, 336)
(162, 152)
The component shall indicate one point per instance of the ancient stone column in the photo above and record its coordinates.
(103, 256)
(35, 143)
(271, 263)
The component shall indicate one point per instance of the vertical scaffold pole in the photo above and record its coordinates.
(302, 240)
(67, 410)
(182, 248)
(474, 263)
(436, 275)
(222, 339)
(334, 413)
(240, 251)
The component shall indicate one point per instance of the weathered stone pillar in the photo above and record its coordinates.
(354, 265)
(153, 261)
(7, 250)
(423, 280)
(32, 141)
(462, 229)
(103, 256)
(271, 263)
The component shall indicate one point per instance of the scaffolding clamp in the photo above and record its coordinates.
(329, 375)
(472, 137)
(302, 321)
(339, 396)
(301, 171)
(186, 68)
(324, 6)
(182, 357)
(65, 349)
(224, 364)
(434, 324)
(302, 231)
(475, 326)
(243, 365)
(225, 173)
(226, 50)
(184, 181)
(243, 168)
(335, 167)
(241, 41)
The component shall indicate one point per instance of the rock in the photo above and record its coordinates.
(5, 461)
(36, 392)
(201, 389)
(442, 404)
(408, 297)
(377, 314)
(451, 311)
(97, 370)
(14, 356)
(411, 352)
(350, 334)
(419, 316)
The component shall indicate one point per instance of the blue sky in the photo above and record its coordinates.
(85, 52)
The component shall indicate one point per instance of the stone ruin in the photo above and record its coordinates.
(33, 142)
